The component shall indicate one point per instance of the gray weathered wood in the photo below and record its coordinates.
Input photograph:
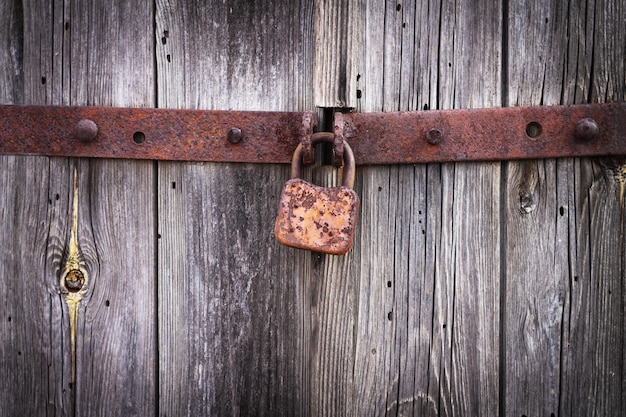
(564, 327)
(472, 289)
(422, 287)
(77, 53)
(338, 39)
(231, 299)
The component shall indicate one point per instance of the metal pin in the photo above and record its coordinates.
(85, 130)
(234, 135)
(586, 129)
(434, 136)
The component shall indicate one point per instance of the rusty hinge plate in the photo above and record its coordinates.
(271, 137)
(161, 134)
(487, 134)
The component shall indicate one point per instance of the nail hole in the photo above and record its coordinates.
(390, 315)
(107, 303)
(56, 197)
(358, 77)
(533, 130)
(398, 7)
(444, 326)
(388, 284)
(425, 107)
(561, 210)
(575, 278)
(163, 40)
(449, 64)
(359, 94)
(168, 57)
(380, 188)
(67, 25)
(174, 185)
(139, 137)
(9, 318)
(403, 25)
(19, 353)
(43, 80)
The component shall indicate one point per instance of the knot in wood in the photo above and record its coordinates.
(74, 280)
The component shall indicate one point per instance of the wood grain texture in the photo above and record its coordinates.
(338, 40)
(564, 248)
(425, 327)
(72, 53)
(232, 301)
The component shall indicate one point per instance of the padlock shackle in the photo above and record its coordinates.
(326, 137)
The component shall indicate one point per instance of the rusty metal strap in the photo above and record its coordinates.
(161, 134)
(271, 137)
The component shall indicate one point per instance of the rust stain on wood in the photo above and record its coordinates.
(74, 276)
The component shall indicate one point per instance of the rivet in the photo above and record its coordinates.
(434, 136)
(234, 135)
(85, 130)
(586, 129)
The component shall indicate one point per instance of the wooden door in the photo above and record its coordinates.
(472, 289)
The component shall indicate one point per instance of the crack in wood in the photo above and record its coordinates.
(74, 276)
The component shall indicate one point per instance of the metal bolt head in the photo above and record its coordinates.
(234, 135)
(85, 130)
(586, 129)
(434, 136)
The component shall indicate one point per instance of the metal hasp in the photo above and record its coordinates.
(271, 137)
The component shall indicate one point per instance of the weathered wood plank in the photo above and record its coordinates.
(31, 351)
(564, 240)
(594, 336)
(337, 31)
(232, 301)
(69, 54)
(425, 328)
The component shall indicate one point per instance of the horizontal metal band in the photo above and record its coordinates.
(160, 134)
(487, 134)
(271, 137)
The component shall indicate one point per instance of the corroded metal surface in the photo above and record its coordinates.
(162, 134)
(270, 137)
(317, 218)
(321, 219)
(487, 134)
(347, 160)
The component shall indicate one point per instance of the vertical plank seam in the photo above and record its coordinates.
(590, 94)
(157, 355)
(155, 202)
(504, 68)
(503, 288)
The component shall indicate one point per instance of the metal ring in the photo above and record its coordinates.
(326, 137)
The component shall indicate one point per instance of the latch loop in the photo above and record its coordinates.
(326, 137)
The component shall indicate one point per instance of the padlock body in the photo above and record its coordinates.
(316, 218)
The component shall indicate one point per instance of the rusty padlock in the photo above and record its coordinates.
(317, 218)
